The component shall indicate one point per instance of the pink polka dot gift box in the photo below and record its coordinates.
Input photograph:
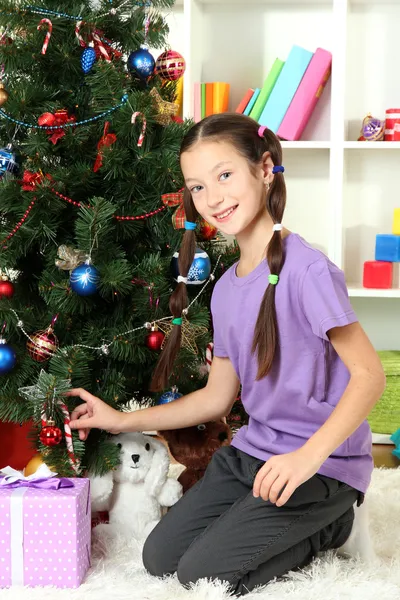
(45, 529)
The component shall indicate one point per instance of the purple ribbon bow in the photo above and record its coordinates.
(46, 483)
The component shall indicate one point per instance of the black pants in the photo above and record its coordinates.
(218, 530)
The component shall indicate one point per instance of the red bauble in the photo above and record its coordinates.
(50, 434)
(43, 345)
(155, 339)
(170, 65)
(6, 289)
(207, 232)
(47, 120)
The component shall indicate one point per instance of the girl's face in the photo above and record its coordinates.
(225, 192)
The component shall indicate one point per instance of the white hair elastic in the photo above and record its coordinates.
(277, 227)
(182, 279)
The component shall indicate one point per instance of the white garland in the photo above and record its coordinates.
(105, 347)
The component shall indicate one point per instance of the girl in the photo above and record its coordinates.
(285, 330)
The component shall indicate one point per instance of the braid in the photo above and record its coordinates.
(266, 334)
(178, 301)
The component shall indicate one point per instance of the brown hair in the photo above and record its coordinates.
(242, 133)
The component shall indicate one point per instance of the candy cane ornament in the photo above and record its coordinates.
(48, 34)
(209, 355)
(73, 461)
(68, 438)
(96, 39)
(79, 35)
(101, 47)
(143, 132)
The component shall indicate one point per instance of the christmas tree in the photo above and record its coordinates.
(91, 218)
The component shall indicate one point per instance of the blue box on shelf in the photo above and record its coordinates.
(387, 247)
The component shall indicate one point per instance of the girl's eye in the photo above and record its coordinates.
(225, 176)
(196, 189)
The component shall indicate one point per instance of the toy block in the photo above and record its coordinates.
(387, 247)
(378, 274)
(396, 221)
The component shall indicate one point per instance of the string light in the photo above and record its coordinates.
(38, 10)
(105, 346)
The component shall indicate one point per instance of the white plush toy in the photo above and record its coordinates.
(135, 492)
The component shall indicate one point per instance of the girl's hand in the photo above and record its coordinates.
(284, 473)
(94, 413)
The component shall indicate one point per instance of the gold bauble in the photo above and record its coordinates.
(3, 95)
(33, 465)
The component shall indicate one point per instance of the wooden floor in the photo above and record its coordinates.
(383, 456)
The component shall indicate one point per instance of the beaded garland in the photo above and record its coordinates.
(3, 114)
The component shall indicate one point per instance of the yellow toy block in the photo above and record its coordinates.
(396, 221)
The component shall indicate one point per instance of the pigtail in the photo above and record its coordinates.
(178, 301)
(266, 334)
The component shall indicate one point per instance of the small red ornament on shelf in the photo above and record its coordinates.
(50, 435)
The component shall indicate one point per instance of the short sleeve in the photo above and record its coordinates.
(324, 298)
(218, 321)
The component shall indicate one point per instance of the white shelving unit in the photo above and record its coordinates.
(341, 192)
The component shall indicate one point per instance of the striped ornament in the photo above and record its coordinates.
(170, 65)
(42, 345)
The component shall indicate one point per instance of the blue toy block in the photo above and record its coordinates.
(387, 247)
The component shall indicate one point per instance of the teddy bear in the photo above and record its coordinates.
(135, 492)
(194, 446)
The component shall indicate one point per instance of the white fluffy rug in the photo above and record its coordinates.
(121, 576)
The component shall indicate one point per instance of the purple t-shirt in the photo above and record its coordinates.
(307, 378)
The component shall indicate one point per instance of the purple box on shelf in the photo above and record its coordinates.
(45, 534)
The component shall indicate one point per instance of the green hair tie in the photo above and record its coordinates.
(177, 321)
(273, 279)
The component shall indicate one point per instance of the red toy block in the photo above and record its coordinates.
(378, 274)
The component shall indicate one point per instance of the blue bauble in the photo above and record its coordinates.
(8, 161)
(199, 271)
(85, 279)
(141, 62)
(8, 358)
(88, 59)
(170, 396)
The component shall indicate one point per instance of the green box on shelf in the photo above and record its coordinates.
(385, 416)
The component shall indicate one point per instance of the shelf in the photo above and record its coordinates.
(361, 292)
(306, 145)
(371, 145)
(374, 2)
(382, 438)
(271, 2)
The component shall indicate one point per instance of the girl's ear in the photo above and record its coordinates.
(266, 168)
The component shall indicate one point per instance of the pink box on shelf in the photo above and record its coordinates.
(306, 97)
(45, 533)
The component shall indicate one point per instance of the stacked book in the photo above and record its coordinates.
(290, 92)
(209, 99)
